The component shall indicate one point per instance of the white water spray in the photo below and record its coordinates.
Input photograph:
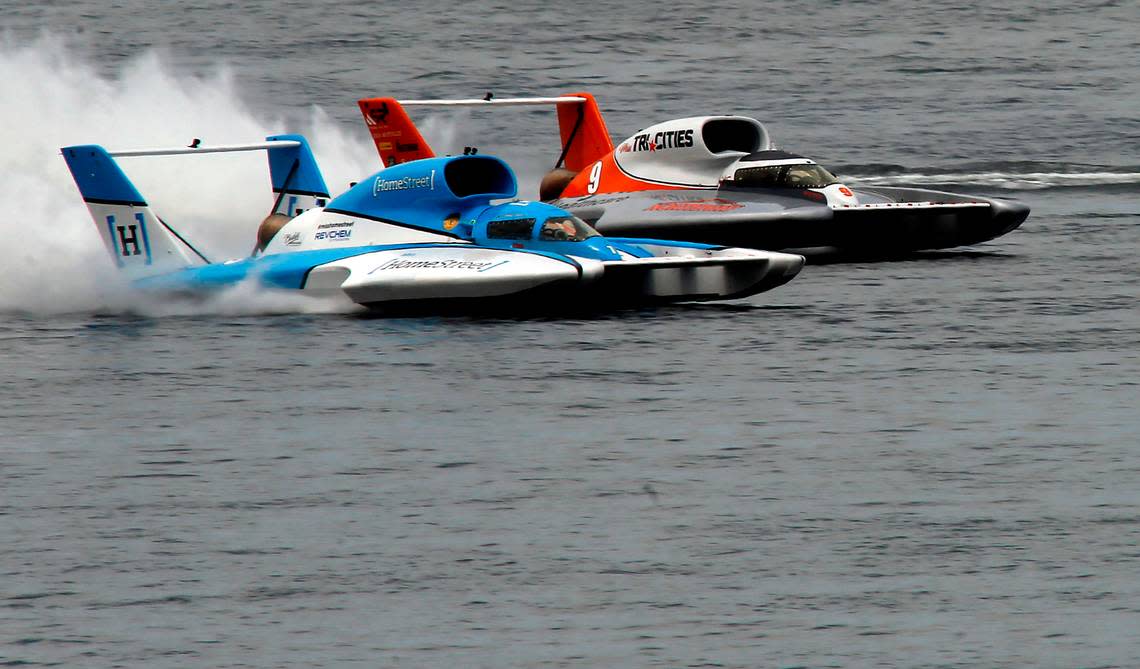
(51, 256)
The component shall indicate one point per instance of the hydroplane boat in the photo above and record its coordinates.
(719, 180)
(422, 235)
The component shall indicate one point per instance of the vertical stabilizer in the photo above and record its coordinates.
(297, 181)
(584, 134)
(137, 240)
(397, 138)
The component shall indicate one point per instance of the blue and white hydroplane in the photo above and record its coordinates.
(427, 234)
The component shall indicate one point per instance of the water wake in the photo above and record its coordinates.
(1003, 179)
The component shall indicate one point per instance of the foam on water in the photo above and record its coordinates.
(53, 258)
(1005, 180)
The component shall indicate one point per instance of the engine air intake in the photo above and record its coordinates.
(477, 175)
(730, 134)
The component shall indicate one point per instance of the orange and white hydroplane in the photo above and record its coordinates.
(717, 180)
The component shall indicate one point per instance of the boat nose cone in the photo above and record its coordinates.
(839, 195)
(1010, 212)
(786, 265)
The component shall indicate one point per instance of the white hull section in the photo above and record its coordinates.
(469, 274)
(458, 272)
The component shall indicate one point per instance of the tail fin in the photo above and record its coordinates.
(138, 241)
(297, 181)
(397, 138)
(584, 134)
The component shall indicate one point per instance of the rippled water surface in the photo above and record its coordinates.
(922, 463)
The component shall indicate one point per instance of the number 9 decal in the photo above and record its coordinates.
(595, 178)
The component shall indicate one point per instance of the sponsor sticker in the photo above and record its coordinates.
(666, 139)
(333, 235)
(292, 239)
(442, 263)
(379, 115)
(604, 198)
(382, 185)
(711, 204)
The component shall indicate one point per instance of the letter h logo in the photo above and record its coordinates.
(129, 240)
(128, 244)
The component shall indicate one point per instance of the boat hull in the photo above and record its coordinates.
(458, 278)
(888, 221)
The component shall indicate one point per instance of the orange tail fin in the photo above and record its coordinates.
(397, 139)
(584, 134)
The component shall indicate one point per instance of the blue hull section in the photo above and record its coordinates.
(285, 270)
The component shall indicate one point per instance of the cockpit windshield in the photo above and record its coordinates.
(511, 228)
(565, 229)
(803, 175)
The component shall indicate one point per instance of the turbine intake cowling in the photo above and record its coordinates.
(429, 190)
(690, 151)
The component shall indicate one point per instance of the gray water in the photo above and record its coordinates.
(923, 463)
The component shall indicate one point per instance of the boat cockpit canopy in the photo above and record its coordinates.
(801, 175)
(565, 229)
(561, 228)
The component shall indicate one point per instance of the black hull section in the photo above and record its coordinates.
(903, 230)
(882, 231)
(888, 225)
